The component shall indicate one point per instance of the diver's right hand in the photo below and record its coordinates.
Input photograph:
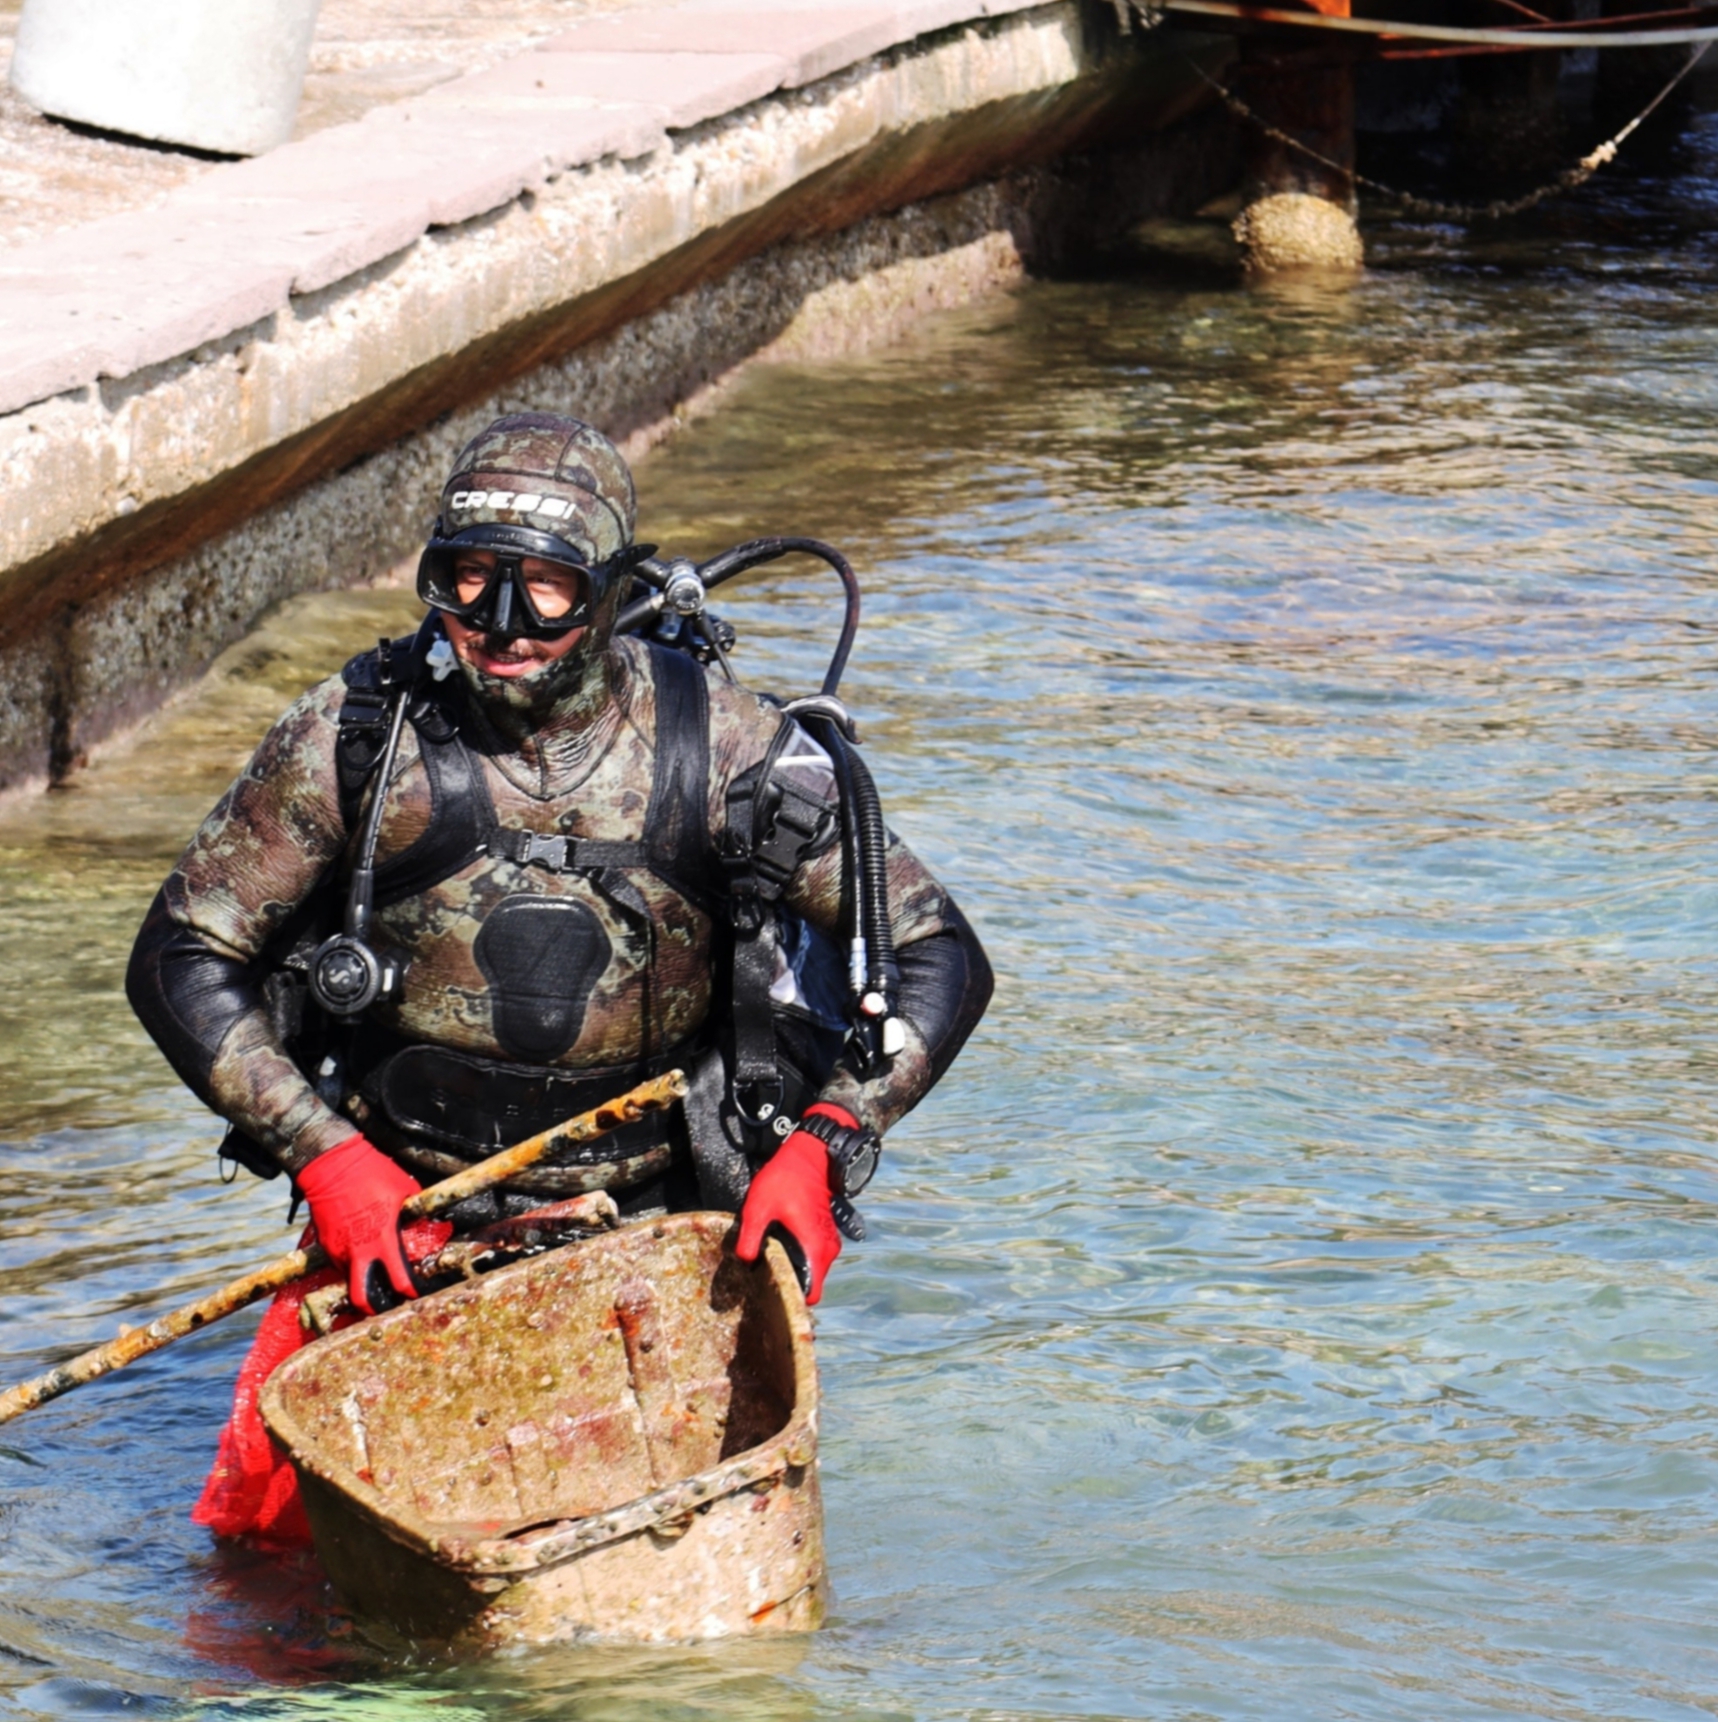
(355, 1192)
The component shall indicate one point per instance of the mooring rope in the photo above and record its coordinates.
(1498, 209)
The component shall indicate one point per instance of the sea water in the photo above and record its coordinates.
(1299, 1300)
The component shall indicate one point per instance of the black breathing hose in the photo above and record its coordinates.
(827, 732)
(859, 790)
(361, 892)
(753, 554)
(874, 879)
(865, 883)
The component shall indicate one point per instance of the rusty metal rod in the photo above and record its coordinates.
(655, 1095)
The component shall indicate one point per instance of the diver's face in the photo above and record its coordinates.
(553, 590)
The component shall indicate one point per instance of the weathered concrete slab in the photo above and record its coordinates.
(468, 157)
(365, 54)
(108, 299)
(113, 297)
(812, 41)
(458, 151)
(684, 88)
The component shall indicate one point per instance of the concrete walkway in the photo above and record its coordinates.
(367, 53)
(199, 250)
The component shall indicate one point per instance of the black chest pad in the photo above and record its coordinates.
(542, 958)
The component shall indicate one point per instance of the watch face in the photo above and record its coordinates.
(856, 1174)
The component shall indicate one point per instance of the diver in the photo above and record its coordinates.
(502, 870)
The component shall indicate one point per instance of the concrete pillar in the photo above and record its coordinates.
(1297, 213)
(220, 75)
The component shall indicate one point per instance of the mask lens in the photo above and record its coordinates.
(438, 582)
(471, 579)
(554, 592)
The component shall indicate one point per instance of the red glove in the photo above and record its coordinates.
(355, 1192)
(792, 1191)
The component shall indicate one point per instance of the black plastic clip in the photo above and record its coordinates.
(825, 706)
(757, 1103)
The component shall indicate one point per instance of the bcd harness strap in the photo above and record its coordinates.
(462, 823)
(771, 827)
(676, 822)
(564, 854)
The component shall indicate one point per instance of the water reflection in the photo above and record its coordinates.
(1301, 1303)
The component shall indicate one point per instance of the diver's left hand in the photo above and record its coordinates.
(792, 1190)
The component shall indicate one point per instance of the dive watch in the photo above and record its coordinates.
(853, 1153)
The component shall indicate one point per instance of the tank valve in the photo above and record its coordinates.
(683, 591)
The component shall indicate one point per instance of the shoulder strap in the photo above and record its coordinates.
(675, 846)
(461, 814)
(674, 843)
(362, 729)
(758, 1086)
(772, 827)
(677, 822)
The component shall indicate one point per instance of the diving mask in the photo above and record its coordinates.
(510, 580)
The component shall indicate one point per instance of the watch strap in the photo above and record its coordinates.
(844, 1142)
(847, 1218)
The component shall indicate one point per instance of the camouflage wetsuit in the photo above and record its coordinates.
(514, 969)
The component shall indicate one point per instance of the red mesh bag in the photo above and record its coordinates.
(252, 1490)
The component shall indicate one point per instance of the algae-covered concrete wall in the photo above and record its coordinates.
(252, 389)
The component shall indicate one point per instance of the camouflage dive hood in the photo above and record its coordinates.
(540, 472)
(548, 486)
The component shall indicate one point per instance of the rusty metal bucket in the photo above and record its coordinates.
(614, 1440)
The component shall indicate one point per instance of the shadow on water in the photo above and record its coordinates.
(272, 1618)
(1299, 1301)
